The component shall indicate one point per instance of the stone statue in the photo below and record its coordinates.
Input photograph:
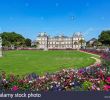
(45, 47)
(0, 47)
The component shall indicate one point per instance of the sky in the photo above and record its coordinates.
(56, 17)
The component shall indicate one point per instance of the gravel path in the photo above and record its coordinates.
(98, 61)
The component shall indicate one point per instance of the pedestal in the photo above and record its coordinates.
(0, 53)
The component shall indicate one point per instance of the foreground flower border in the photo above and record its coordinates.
(92, 78)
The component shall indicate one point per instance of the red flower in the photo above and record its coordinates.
(20, 81)
(15, 88)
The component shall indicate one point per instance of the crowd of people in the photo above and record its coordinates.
(92, 78)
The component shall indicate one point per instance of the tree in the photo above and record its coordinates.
(28, 42)
(81, 42)
(12, 39)
(104, 37)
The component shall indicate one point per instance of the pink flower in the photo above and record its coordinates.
(98, 65)
(15, 88)
(106, 87)
(108, 80)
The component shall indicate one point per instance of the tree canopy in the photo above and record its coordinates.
(28, 42)
(104, 37)
(12, 38)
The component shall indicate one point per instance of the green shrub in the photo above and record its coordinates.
(86, 85)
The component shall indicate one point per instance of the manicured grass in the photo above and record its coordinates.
(23, 61)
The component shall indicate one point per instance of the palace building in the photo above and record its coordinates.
(60, 42)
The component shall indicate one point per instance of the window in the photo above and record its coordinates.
(50, 42)
(53, 42)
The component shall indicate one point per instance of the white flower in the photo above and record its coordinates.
(98, 81)
(58, 83)
(30, 82)
(4, 80)
(51, 86)
(98, 88)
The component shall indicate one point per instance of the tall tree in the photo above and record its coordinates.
(28, 42)
(81, 42)
(104, 37)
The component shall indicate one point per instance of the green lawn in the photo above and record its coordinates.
(24, 62)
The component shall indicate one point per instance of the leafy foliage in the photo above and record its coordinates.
(28, 42)
(104, 37)
(86, 85)
(14, 39)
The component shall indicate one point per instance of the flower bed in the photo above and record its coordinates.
(91, 78)
(105, 56)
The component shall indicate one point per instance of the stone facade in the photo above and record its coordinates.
(60, 42)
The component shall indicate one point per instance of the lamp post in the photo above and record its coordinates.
(0, 47)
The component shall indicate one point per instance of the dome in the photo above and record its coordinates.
(77, 34)
(42, 34)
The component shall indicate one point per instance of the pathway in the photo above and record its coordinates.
(98, 61)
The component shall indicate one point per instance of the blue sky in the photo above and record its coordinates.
(29, 17)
